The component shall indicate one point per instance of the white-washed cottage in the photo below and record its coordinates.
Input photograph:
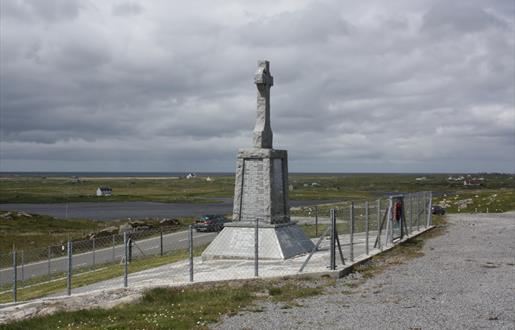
(104, 191)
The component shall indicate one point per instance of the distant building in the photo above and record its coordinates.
(471, 182)
(422, 178)
(457, 179)
(209, 179)
(191, 176)
(104, 191)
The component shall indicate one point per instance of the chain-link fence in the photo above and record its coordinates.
(318, 239)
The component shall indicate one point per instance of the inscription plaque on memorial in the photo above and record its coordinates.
(253, 194)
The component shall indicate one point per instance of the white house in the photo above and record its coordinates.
(104, 191)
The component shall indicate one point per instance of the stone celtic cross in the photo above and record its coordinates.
(260, 195)
(262, 135)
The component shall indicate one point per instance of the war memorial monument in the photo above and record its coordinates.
(261, 194)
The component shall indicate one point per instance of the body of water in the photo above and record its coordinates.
(134, 210)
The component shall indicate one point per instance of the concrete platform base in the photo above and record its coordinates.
(276, 242)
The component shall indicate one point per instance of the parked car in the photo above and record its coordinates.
(437, 209)
(210, 222)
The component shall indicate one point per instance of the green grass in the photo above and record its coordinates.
(19, 189)
(177, 308)
(64, 189)
(36, 231)
(478, 200)
(311, 230)
(358, 186)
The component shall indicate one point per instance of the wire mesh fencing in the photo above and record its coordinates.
(32, 273)
(319, 238)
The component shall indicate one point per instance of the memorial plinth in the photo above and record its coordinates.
(261, 194)
(261, 186)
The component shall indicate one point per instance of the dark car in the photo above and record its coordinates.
(437, 209)
(210, 222)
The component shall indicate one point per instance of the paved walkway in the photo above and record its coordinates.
(216, 270)
(465, 280)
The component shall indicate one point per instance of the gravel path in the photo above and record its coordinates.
(465, 280)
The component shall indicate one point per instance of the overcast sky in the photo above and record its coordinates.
(383, 86)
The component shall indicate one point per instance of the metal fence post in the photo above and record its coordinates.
(114, 238)
(379, 224)
(22, 266)
(256, 249)
(411, 212)
(70, 266)
(49, 261)
(129, 246)
(161, 241)
(366, 227)
(332, 252)
(93, 243)
(389, 222)
(378, 214)
(126, 265)
(424, 206)
(190, 239)
(15, 278)
(418, 211)
(316, 220)
(351, 226)
(429, 207)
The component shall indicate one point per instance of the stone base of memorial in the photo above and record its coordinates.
(260, 193)
(261, 186)
(279, 242)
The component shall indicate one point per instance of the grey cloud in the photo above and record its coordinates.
(80, 57)
(127, 9)
(314, 24)
(461, 17)
(46, 10)
(405, 90)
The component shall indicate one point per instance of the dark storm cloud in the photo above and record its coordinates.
(132, 85)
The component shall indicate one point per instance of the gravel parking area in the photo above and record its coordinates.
(464, 280)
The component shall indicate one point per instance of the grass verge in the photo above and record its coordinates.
(179, 308)
(40, 287)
